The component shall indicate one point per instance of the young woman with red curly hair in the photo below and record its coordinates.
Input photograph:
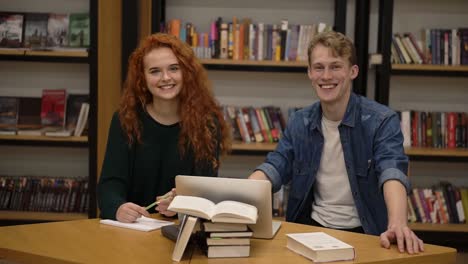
(168, 123)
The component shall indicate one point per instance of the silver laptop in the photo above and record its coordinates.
(216, 189)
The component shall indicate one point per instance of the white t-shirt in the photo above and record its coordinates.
(333, 204)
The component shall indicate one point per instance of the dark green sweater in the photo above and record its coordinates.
(143, 171)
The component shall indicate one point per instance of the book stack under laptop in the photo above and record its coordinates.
(227, 240)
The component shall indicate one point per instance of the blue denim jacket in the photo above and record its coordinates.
(373, 151)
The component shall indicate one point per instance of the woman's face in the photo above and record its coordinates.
(163, 74)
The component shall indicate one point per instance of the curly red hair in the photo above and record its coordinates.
(201, 119)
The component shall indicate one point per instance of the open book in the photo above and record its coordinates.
(319, 247)
(225, 211)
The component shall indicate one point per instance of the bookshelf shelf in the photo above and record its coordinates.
(430, 69)
(439, 227)
(240, 146)
(45, 138)
(252, 65)
(40, 216)
(44, 141)
(78, 56)
(15, 52)
(437, 152)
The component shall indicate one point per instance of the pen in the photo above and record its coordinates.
(167, 195)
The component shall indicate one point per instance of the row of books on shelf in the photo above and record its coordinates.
(53, 114)
(242, 39)
(44, 31)
(434, 129)
(438, 46)
(441, 204)
(256, 124)
(44, 194)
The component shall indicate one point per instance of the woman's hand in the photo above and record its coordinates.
(164, 201)
(130, 212)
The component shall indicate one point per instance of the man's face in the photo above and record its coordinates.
(331, 76)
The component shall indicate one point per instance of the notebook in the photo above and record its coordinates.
(141, 224)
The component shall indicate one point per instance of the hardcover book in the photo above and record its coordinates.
(8, 111)
(225, 211)
(11, 30)
(223, 227)
(79, 30)
(53, 107)
(29, 113)
(35, 30)
(82, 120)
(320, 247)
(187, 228)
(228, 241)
(228, 251)
(57, 30)
(74, 105)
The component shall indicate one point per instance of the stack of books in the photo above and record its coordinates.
(227, 240)
(224, 226)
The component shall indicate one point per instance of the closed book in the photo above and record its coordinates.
(320, 247)
(228, 251)
(79, 35)
(227, 241)
(59, 133)
(8, 111)
(231, 234)
(53, 105)
(223, 227)
(186, 230)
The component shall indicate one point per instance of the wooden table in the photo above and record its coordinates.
(86, 241)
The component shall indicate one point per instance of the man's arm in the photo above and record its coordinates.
(398, 230)
(258, 175)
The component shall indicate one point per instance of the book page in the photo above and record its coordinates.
(235, 212)
(142, 224)
(191, 205)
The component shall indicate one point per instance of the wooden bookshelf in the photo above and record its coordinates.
(41, 216)
(58, 53)
(53, 53)
(240, 146)
(298, 64)
(429, 67)
(82, 139)
(439, 227)
(436, 152)
(15, 52)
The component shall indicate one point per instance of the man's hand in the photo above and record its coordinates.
(164, 201)
(398, 231)
(130, 212)
(258, 175)
(404, 237)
